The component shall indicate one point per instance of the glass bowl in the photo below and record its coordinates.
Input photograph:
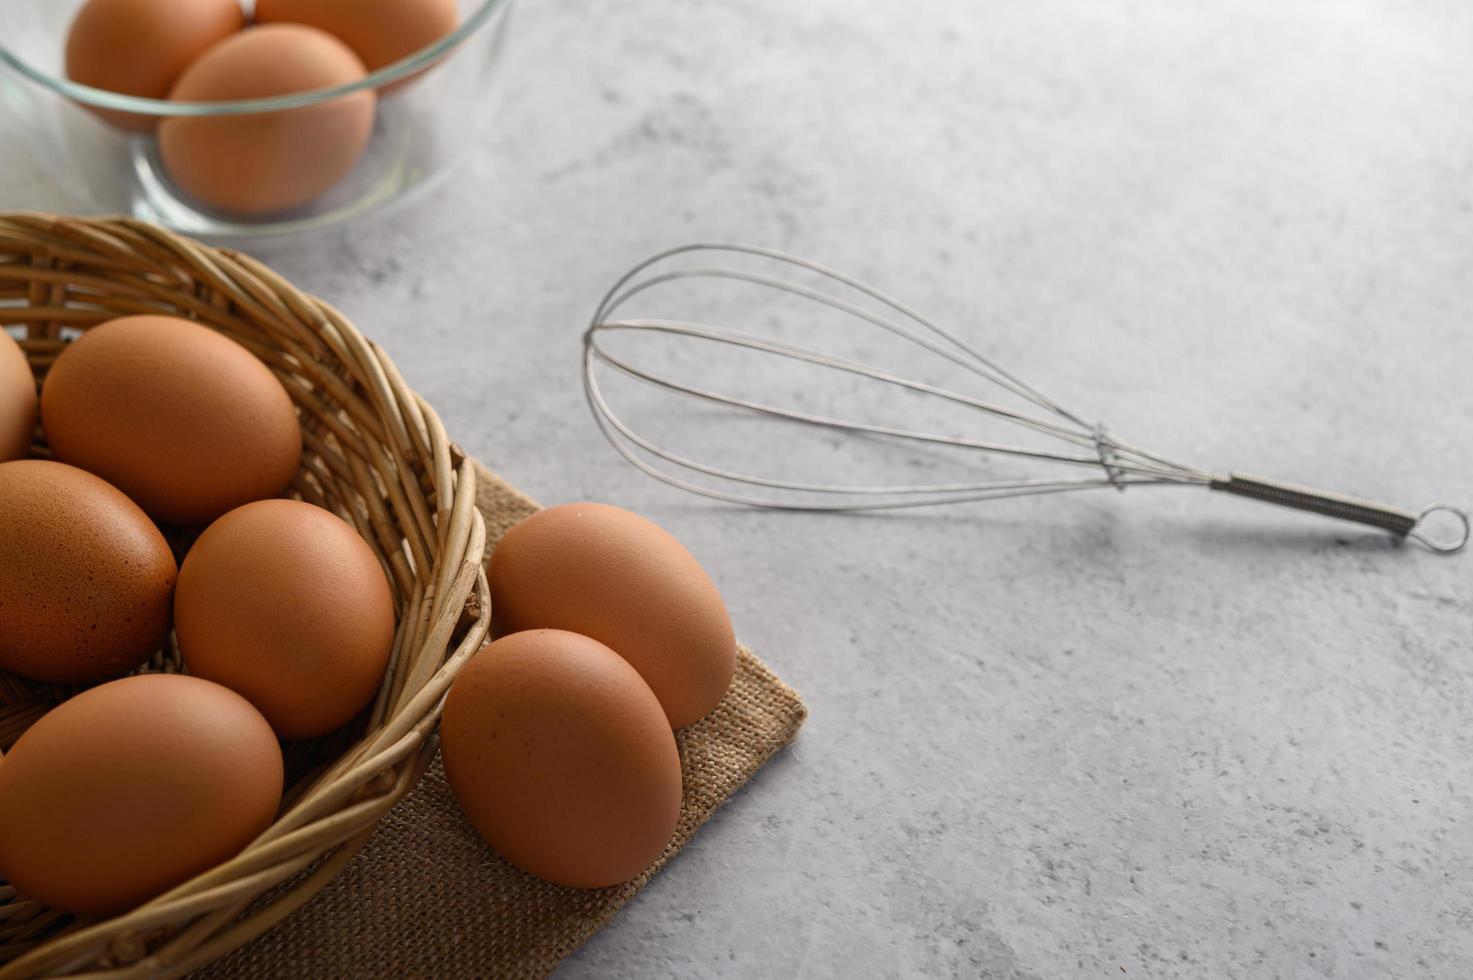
(421, 126)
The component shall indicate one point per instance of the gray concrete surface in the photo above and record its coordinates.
(1151, 735)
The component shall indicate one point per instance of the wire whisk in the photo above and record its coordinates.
(1102, 459)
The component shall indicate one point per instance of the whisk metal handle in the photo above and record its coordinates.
(1403, 523)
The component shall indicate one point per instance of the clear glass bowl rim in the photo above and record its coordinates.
(388, 74)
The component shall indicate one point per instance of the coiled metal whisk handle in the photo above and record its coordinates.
(1403, 523)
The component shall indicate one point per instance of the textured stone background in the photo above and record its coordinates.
(1160, 733)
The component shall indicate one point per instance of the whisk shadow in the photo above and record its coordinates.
(1228, 536)
(979, 514)
(1207, 536)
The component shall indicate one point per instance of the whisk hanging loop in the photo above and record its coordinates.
(1092, 447)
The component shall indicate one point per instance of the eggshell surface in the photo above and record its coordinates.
(610, 574)
(562, 759)
(272, 161)
(180, 418)
(133, 787)
(380, 32)
(285, 603)
(139, 47)
(17, 401)
(85, 577)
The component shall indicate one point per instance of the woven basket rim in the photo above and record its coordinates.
(376, 453)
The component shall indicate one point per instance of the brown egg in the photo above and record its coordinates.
(180, 418)
(17, 401)
(612, 575)
(380, 32)
(285, 603)
(264, 162)
(85, 577)
(133, 787)
(139, 47)
(562, 759)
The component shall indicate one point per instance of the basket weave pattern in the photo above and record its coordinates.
(375, 454)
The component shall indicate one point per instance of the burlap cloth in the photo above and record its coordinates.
(427, 898)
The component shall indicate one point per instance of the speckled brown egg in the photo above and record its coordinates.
(285, 603)
(17, 401)
(133, 787)
(628, 583)
(180, 418)
(139, 47)
(85, 577)
(380, 32)
(562, 759)
(272, 161)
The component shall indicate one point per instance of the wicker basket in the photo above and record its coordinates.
(375, 454)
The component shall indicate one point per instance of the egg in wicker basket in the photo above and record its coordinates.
(375, 454)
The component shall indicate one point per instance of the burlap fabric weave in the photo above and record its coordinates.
(427, 898)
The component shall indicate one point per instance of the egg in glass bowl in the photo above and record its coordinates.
(234, 118)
